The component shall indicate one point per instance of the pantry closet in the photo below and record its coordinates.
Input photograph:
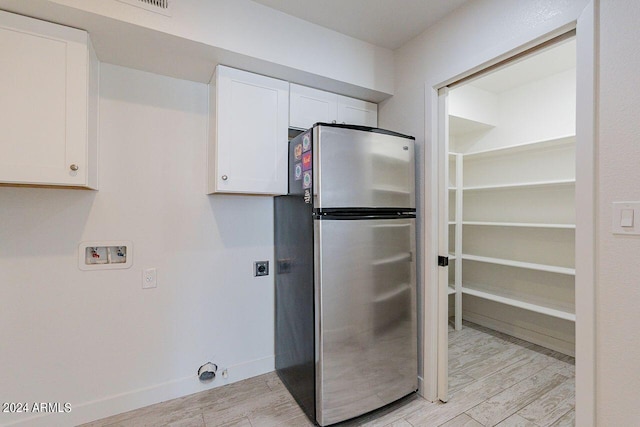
(511, 199)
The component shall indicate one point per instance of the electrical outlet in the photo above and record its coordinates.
(261, 268)
(149, 278)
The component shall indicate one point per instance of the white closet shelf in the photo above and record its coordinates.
(450, 290)
(517, 224)
(459, 125)
(453, 188)
(521, 264)
(536, 184)
(521, 304)
(452, 257)
(404, 257)
(510, 149)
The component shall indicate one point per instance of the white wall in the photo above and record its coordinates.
(469, 37)
(472, 103)
(618, 287)
(97, 338)
(486, 28)
(549, 112)
(238, 33)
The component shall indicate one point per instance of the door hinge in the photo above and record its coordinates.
(443, 261)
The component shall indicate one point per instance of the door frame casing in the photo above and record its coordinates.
(443, 242)
(434, 356)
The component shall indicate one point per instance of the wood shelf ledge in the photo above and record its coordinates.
(521, 304)
(531, 145)
(518, 224)
(518, 185)
(521, 264)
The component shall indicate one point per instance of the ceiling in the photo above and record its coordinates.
(385, 23)
(546, 63)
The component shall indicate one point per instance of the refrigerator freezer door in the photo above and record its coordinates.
(356, 168)
(366, 342)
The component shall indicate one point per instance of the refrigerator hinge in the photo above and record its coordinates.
(443, 261)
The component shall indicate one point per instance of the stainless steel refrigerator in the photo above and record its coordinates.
(345, 324)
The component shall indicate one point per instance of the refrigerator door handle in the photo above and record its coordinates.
(361, 217)
(363, 213)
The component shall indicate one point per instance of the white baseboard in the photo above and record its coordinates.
(420, 386)
(135, 399)
(547, 341)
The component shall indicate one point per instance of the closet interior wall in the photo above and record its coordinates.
(511, 200)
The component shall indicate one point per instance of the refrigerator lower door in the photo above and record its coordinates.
(365, 315)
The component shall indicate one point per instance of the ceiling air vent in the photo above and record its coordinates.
(158, 6)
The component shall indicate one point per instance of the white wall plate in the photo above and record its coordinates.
(626, 218)
(105, 255)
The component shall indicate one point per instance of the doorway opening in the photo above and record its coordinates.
(508, 224)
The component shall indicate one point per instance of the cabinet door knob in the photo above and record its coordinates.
(225, 177)
(73, 167)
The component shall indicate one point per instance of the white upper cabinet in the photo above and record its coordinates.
(248, 121)
(48, 106)
(309, 106)
(356, 112)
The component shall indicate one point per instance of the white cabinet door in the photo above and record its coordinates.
(356, 112)
(48, 76)
(248, 133)
(309, 106)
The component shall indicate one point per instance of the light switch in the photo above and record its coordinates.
(626, 218)
(623, 218)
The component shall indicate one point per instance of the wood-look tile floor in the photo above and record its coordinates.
(494, 380)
